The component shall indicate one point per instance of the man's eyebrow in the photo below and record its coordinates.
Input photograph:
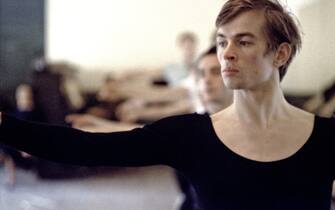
(239, 35)
(247, 34)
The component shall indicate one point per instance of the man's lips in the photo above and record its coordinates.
(230, 71)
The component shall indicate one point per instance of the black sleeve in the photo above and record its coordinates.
(153, 144)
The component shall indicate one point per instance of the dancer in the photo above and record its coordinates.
(259, 153)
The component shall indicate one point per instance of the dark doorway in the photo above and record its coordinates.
(21, 40)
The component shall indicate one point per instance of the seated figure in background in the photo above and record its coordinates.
(211, 90)
(25, 105)
(322, 103)
(214, 97)
(175, 73)
(26, 110)
(148, 103)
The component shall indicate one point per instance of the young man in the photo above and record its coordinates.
(259, 153)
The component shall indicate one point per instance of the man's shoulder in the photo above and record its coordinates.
(325, 123)
(183, 118)
(184, 126)
(180, 122)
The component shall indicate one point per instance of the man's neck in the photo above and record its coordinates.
(213, 107)
(261, 107)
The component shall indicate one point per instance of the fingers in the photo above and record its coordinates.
(79, 120)
(72, 117)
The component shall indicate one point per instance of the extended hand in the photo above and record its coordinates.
(91, 123)
(80, 120)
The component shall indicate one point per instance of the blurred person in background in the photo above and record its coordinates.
(25, 104)
(210, 89)
(180, 94)
(56, 91)
(214, 96)
(25, 109)
(6, 158)
(322, 103)
(175, 73)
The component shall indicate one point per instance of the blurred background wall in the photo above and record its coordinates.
(112, 35)
(314, 68)
(115, 35)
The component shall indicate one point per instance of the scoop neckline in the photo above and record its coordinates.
(241, 157)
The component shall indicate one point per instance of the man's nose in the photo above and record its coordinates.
(229, 52)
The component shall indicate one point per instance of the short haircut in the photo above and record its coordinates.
(211, 51)
(280, 24)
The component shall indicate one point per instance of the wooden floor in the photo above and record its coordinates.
(149, 188)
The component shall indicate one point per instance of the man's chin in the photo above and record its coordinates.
(234, 86)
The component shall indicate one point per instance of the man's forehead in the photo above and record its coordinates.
(248, 23)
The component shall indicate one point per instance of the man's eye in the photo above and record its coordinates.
(221, 43)
(244, 43)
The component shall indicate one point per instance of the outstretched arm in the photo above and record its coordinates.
(152, 144)
(87, 122)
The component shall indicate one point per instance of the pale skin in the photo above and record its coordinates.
(92, 123)
(260, 124)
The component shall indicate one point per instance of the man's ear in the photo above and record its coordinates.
(282, 54)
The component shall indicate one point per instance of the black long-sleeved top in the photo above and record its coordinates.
(222, 179)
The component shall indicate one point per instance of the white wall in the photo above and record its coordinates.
(104, 35)
(314, 68)
(113, 34)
